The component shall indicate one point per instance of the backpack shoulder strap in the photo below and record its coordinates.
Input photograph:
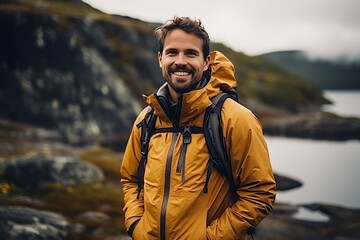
(215, 143)
(147, 126)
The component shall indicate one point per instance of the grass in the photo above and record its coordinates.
(106, 159)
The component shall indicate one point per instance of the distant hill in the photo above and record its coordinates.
(322, 73)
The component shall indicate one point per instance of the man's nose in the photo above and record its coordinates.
(180, 60)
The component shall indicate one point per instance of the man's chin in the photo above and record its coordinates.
(185, 89)
(181, 79)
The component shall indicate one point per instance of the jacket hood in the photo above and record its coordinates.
(222, 74)
(222, 77)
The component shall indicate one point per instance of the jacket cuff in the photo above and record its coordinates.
(132, 227)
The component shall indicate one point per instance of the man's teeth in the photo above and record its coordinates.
(181, 73)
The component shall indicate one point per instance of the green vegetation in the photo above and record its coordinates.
(269, 84)
(106, 159)
(71, 202)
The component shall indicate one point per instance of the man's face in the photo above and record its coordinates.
(182, 61)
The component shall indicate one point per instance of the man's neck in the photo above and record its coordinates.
(173, 94)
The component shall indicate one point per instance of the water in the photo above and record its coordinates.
(329, 170)
(346, 102)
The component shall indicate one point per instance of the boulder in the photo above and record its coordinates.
(31, 224)
(284, 183)
(37, 170)
(92, 218)
(281, 224)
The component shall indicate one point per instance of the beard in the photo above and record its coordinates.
(184, 89)
(193, 84)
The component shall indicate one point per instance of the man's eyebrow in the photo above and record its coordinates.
(170, 49)
(192, 50)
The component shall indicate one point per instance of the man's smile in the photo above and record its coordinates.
(181, 73)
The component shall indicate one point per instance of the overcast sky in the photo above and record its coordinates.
(325, 28)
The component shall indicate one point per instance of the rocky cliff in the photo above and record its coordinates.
(58, 68)
(80, 72)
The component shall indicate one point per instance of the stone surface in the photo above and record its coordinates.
(284, 183)
(71, 85)
(37, 170)
(281, 224)
(30, 224)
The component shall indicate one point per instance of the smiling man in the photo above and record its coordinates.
(182, 62)
(170, 190)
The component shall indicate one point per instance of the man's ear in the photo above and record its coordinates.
(207, 63)
(159, 59)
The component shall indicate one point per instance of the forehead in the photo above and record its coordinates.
(178, 38)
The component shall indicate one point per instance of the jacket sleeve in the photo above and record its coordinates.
(252, 172)
(133, 207)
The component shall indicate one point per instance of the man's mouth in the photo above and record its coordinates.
(181, 73)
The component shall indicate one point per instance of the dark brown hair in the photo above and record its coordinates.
(186, 24)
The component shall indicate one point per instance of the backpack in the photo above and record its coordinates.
(212, 131)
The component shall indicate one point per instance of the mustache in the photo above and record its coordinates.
(181, 68)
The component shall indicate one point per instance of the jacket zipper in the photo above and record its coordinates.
(167, 188)
(181, 163)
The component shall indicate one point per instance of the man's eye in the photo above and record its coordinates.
(191, 54)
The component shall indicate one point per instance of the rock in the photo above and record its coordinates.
(282, 224)
(285, 183)
(26, 201)
(93, 219)
(285, 209)
(315, 125)
(37, 170)
(30, 224)
(71, 85)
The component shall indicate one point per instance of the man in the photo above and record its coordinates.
(172, 203)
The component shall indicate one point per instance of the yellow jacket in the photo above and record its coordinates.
(173, 206)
